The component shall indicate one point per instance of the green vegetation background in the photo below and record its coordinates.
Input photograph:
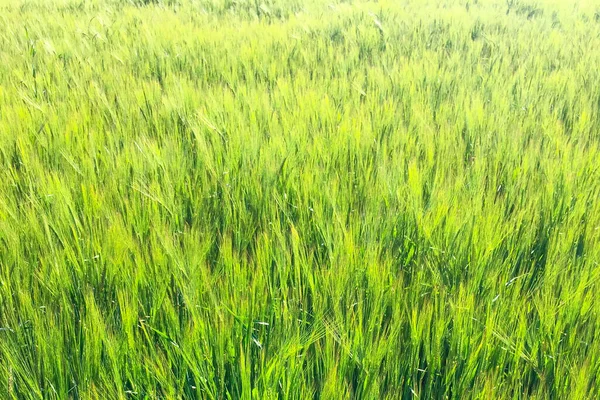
(285, 199)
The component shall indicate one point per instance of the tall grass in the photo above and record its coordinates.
(235, 199)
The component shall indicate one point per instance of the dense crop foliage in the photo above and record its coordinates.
(289, 199)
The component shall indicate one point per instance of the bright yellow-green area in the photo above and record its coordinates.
(223, 199)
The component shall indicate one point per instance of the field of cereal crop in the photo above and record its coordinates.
(299, 199)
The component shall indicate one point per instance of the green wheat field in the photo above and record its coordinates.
(299, 199)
